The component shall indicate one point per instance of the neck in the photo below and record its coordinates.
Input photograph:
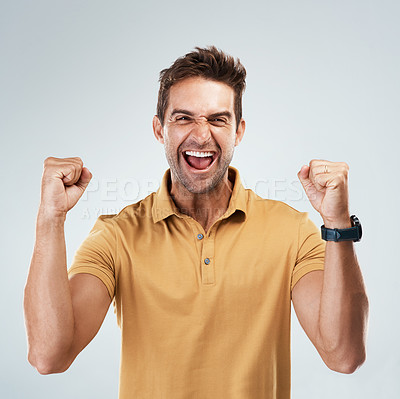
(204, 208)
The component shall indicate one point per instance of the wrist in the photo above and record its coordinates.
(48, 215)
(339, 230)
(343, 222)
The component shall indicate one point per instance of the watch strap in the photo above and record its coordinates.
(351, 234)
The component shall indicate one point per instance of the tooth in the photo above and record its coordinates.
(199, 154)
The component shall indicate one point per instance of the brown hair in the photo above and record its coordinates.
(208, 63)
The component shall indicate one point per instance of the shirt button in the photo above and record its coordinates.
(200, 236)
(207, 261)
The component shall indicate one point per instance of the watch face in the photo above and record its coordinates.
(356, 223)
(359, 231)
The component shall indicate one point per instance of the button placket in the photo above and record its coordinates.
(207, 259)
(205, 246)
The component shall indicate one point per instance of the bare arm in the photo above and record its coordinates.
(61, 316)
(332, 306)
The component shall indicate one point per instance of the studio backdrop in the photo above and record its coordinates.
(81, 79)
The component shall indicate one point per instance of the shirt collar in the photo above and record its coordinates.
(164, 206)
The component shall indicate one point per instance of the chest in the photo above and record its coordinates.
(179, 265)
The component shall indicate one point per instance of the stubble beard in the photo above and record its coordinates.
(205, 186)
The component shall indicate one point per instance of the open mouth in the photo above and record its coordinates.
(200, 160)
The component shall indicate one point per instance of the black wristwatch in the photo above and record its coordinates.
(353, 233)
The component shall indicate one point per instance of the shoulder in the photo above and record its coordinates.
(130, 215)
(272, 209)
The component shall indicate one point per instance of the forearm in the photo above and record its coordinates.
(343, 308)
(47, 298)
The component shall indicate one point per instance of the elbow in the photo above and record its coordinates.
(348, 368)
(44, 369)
(46, 366)
(348, 365)
(49, 358)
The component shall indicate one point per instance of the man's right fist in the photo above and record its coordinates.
(64, 181)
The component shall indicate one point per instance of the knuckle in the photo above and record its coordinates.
(344, 169)
(341, 178)
(48, 165)
(79, 160)
(48, 160)
(316, 162)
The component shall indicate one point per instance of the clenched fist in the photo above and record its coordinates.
(64, 181)
(326, 185)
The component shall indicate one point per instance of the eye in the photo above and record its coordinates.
(182, 119)
(218, 121)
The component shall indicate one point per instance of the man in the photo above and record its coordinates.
(203, 272)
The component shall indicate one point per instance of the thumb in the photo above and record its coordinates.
(84, 179)
(76, 191)
(303, 176)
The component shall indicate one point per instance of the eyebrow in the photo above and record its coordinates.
(223, 113)
(214, 115)
(181, 111)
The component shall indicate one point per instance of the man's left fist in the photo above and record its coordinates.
(325, 184)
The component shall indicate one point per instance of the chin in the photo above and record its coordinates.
(198, 183)
(201, 185)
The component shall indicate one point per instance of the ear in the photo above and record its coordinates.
(158, 130)
(240, 132)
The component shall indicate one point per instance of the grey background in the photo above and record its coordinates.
(80, 79)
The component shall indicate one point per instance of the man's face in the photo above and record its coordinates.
(199, 133)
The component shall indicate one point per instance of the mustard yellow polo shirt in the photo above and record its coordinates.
(203, 315)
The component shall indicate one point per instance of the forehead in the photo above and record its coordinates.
(200, 96)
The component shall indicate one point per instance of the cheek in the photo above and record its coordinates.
(225, 139)
(175, 135)
(171, 144)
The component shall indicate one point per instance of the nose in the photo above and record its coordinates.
(201, 131)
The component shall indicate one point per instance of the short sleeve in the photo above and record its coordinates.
(311, 249)
(96, 254)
